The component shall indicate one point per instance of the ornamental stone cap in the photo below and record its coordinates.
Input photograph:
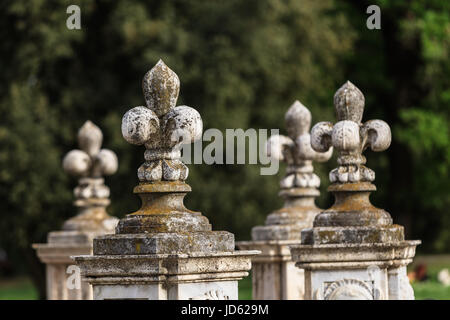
(352, 218)
(295, 149)
(163, 224)
(161, 126)
(350, 137)
(90, 163)
(299, 186)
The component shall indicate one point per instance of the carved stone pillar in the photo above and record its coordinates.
(164, 251)
(90, 164)
(353, 251)
(274, 275)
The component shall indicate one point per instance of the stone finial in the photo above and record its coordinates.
(351, 180)
(161, 126)
(354, 250)
(90, 164)
(350, 137)
(164, 251)
(299, 186)
(296, 149)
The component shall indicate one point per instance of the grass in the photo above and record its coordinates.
(245, 288)
(432, 288)
(21, 288)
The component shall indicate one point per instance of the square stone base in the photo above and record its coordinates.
(367, 271)
(274, 275)
(219, 290)
(193, 276)
(63, 283)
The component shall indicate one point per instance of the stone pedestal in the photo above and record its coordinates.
(164, 251)
(353, 251)
(356, 271)
(62, 283)
(274, 275)
(191, 276)
(75, 238)
(56, 253)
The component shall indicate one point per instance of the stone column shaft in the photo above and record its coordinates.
(274, 275)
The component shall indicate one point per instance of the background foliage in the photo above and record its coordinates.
(241, 64)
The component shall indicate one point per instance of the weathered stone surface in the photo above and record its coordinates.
(353, 250)
(192, 265)
(164, 250)
(325, 235)
(160, 243)
(166, 276)
(350, 137)
(207, 290)
(351, 186)
(89, 164)
(161, 126)
(274, 276)
(379, 266)
(161, 87)
(354, 255)
(181, 222)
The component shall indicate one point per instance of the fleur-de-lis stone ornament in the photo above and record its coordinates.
(90, 164)
(350, 137)
(299, 186)
(351, 180)
(161, 126)
(353, 251)
(296, 150)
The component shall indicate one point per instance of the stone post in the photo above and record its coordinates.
(353, 251)
(164, 251)
(273, 273)
(90, 164)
